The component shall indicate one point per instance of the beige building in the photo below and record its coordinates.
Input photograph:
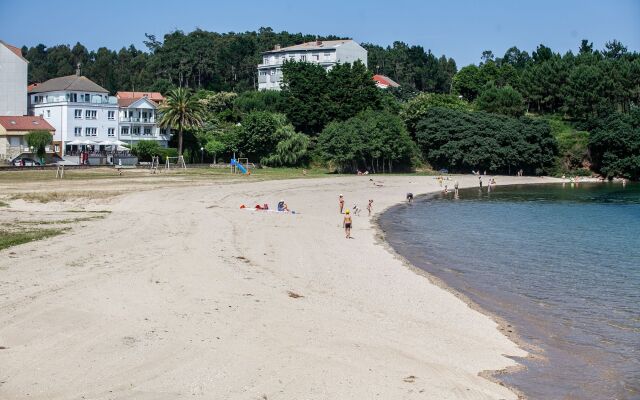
(13, 131)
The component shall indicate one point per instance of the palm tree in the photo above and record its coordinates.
(181, 110)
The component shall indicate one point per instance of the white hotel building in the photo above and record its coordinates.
(326, 53)
(81, 110)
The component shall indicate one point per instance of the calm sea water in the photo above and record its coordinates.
(559, 262)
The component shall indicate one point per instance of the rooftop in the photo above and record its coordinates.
(25, 123)
(385, 81)
(71, 82)
(315, 45)
(155, 96)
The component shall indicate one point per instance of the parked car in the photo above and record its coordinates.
(25, 161)
(444, 171)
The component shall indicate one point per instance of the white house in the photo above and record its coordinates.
(77, 108)
(13, 81)
(138, 120)
(326, 53)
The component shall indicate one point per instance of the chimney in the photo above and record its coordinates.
(78, 70)
(319, 42)
(276, 47)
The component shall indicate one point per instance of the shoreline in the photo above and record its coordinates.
(534, 353)
(356, 327)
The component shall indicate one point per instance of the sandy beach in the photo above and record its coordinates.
(178, 293)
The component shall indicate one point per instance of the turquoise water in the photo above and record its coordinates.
(559, 262)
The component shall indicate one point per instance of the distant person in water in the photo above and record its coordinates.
(409, 197)
(370, 207)
(446, 189)
(480, 181)
(341, 203)
(455, 187)
(347, 223)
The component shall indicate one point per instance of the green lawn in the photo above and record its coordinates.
(9, 239)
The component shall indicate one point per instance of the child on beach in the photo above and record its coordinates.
(346, 224)
(370, 206)
(356, 210)
(341, 203)
(409, 197)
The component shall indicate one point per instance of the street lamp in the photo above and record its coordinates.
(201, 155)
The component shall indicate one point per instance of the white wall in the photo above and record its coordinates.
(13, 83)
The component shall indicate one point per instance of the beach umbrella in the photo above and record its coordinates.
(122, 148)
(88, 142)
(106, 143)
(119, 142)
(76, 142)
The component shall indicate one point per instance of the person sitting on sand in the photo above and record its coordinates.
(356, 210)
(346, 224)
(409, 197)
(370, 207)
(341, 203)
(282, 206)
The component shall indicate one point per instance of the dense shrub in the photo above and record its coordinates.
(464, 141)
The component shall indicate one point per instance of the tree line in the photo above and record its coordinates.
(218, 62)
(543, 112)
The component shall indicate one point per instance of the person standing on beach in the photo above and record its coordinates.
(341, 203)
(370, 207)
(346, 224)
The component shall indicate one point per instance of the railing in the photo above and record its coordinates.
(136, 119)
(27, 149)
(63, 99)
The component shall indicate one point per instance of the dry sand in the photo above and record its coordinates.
(180, 294)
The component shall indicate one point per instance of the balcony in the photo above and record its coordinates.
(95, 99)
(139, 120)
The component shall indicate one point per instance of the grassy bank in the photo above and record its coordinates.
(11, 238)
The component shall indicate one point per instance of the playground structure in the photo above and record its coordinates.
(179, 163)
(240, 164)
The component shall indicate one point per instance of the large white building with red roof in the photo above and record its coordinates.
(326, 53)
(13, 81)
(138, 118)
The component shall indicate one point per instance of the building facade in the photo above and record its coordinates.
(13, 131)
(326, 53)
(138, 119)
(13, 81)
(77, 108)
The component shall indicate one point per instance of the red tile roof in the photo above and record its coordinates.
(25, 123)
(385, 81)
(155, 96)
(13, 49)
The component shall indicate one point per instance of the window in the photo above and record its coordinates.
(327, 54)
(77, 131)
(77, 114)
(111, 132)
(90, 114)
(147, 131)
(303, 57)
(265, 60)
(87, 97)
(263, 73)
(135, 130)
(124, 131)
(315, 57)
(38, 99)
(48, 113)
(73, 97)
(90, 131)
(111, 115)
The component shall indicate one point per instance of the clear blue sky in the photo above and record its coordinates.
(459, 29)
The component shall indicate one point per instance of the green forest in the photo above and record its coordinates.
(543, 112)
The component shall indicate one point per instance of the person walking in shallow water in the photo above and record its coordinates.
(341, 203)
(346, 224)
(480, 181)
